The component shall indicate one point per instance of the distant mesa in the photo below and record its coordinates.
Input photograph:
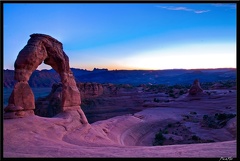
(46, 78)
(42, 48)
(100, 70)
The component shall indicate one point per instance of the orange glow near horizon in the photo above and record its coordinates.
(187, 56)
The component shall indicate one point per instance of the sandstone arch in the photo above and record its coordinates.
(41, 48)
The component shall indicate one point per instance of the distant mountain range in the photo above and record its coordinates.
(46, 78)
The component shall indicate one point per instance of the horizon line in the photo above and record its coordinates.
(139, 69)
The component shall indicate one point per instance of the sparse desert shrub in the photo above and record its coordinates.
(193, 113)
(195, 121)
(181, 92)
(165, 132)
(156, 100)
(209, 93)
(210, 141)
(217, 121)
(171, 95)
(170, 91)
(159, 136)
(224, 116)
(227, 84)
(205, 117)
(159, 139)
(221, 116)
(187, 117)
(196, 138)
(177, 86)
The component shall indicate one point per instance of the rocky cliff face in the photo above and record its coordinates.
(90, 90)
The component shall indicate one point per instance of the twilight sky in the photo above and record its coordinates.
(127, 36)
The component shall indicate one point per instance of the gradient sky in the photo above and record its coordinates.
(127, 36)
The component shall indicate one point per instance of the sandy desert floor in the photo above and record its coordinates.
(130, 135)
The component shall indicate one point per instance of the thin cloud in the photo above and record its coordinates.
(176, 8)
(232, 6)
(183, 9)
(218, 4)
(201, 11)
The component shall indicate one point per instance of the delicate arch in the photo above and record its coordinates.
(41, 48)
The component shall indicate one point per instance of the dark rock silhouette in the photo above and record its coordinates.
(50, 105)
(42, 48)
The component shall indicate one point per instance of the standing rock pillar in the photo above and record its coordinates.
(21, 102)
(70, 94)
(195, 88)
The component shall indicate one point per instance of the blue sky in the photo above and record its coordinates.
(127, 36)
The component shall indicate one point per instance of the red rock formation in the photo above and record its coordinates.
(50, 105)
(41, 47)
(195, 88)
(90, 90)
(22, 95)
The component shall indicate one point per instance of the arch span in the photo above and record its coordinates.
(42, 48)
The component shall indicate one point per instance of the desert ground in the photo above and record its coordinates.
(202, 126)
